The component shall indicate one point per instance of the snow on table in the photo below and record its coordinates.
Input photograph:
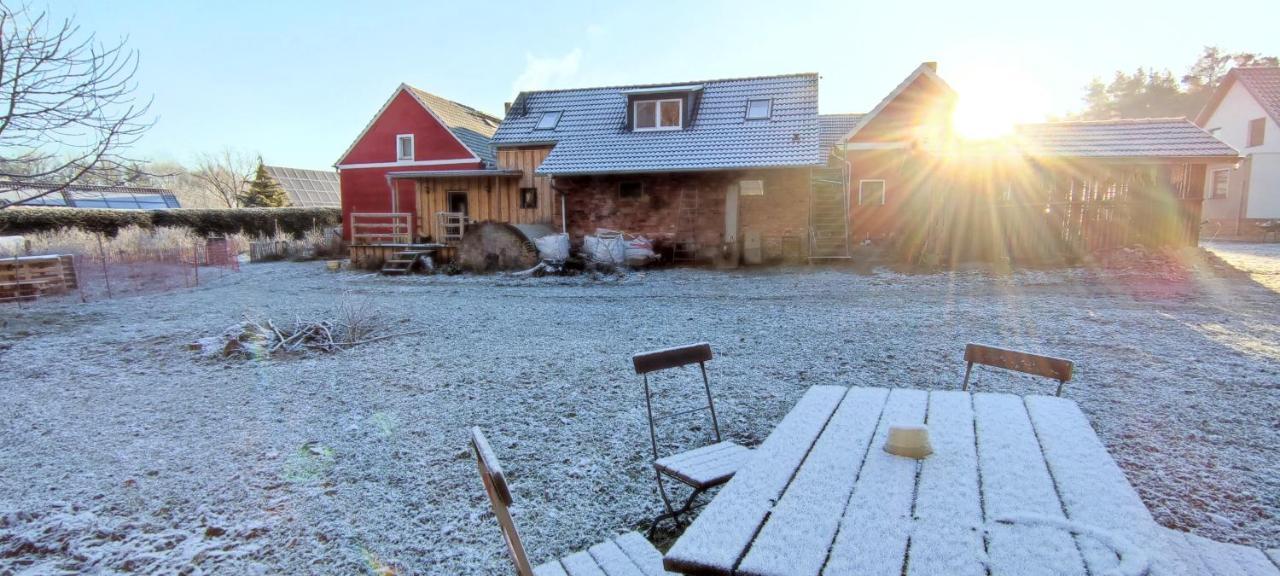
(1015, 486)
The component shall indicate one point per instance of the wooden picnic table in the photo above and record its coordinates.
(1019, 485)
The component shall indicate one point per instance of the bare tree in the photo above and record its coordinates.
(225, 175)
(67, 106)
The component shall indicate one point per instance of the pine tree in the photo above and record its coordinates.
(264, 192)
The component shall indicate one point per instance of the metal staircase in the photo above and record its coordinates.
(828, 214)
(686, 240)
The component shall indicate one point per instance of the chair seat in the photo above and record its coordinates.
(627, 555)
(706, 466)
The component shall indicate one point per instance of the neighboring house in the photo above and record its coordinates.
(1244, 112)
(419, 134)
(308, 188)
(89, 196)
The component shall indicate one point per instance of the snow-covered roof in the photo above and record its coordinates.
(592, 137)
(1136, 138)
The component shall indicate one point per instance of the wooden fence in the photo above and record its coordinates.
(1053, 215)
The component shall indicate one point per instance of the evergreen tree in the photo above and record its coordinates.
(1157, 93)
(264, 192)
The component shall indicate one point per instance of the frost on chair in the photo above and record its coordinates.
(702, 468)
(1026, 362)
(627, 555)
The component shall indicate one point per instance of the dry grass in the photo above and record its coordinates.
(129, 242)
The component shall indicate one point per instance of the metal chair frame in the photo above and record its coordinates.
(648, 362)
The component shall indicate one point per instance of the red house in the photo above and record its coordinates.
(415, 131)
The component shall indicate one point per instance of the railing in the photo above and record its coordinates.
(452, 226)
(381, 228)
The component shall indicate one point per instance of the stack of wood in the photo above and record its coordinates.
(29, 277)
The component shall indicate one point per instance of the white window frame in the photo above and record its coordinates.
(558, 114)
(1213, 188)
(768, 108)
(657, 115)
(884, 192)
(401, 138)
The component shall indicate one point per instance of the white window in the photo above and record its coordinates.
(1220, 183)
(751, 188)
(871, 192)
(658, 114)
(548, 121)
(759, 109)
(404, 147)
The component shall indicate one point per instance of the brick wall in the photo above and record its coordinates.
(783, 211)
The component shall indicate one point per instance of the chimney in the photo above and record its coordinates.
(506, 108)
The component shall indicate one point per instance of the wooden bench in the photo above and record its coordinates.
(1204, 556)
(1018, 361)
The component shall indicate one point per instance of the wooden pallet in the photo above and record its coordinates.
(29, 277)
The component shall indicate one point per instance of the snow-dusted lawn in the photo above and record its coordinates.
(120, 446)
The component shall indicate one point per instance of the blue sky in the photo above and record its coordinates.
(296, 82)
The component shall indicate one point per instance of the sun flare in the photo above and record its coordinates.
(993, 100)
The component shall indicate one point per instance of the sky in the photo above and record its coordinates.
(296, 82)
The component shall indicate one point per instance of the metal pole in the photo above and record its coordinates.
(105, 276)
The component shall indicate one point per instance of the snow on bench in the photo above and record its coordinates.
(1016, 482)
(721, 533)
(872, 538)
(1199, 555)
(947, 538)
(1094, 491)
(802, 526)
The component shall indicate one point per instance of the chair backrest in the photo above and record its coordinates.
(495, 484)
(1047, 366)
(646, 363)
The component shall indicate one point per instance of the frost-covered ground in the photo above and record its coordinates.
(122, 450)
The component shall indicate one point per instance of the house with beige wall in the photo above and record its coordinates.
(1242, 198)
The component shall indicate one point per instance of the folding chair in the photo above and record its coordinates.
(702, 468)
(1026, 362)
(627, 555)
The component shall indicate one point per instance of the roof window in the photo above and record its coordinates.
(548, 121)
(659, 114)
(759, 109)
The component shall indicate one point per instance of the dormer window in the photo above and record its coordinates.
(548, 121)
(759, 109)
(659, 114)
(404, 147)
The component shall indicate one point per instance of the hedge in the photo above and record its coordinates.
(251, 221)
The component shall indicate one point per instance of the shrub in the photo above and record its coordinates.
(249, 221)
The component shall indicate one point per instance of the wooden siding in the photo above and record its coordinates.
(494, 198)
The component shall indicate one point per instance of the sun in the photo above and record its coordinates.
(993, 99)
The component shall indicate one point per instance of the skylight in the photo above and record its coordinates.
(548, 121)
(759, 109)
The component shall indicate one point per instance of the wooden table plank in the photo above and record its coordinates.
(799, 531)
(721, 534)
(1094, 491)
(947, 537)
(872, 539)
(1016, 482)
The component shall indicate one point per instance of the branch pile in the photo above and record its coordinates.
(352, 325)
